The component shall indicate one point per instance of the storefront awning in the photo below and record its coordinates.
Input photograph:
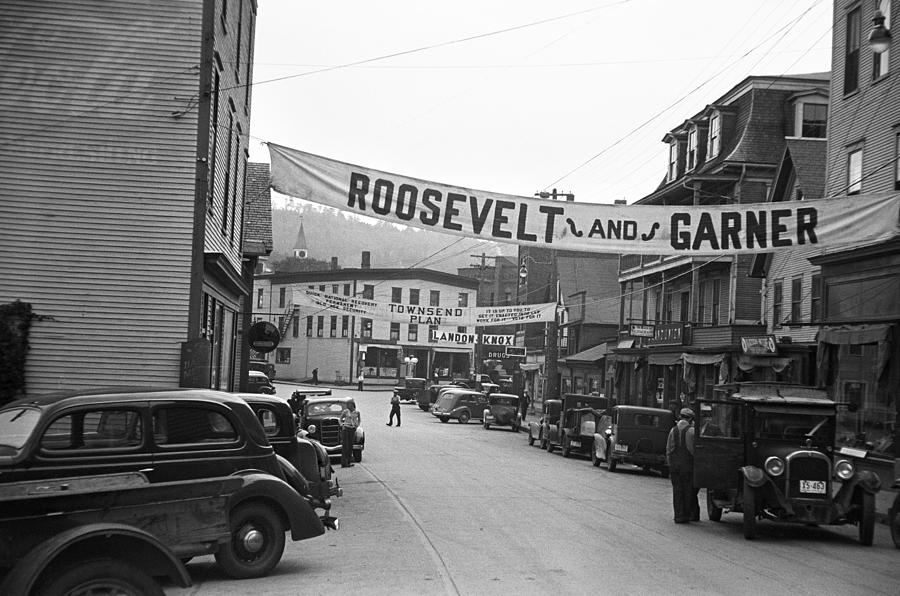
(589, 356)
(664, 359)
(747, 362)
(447, 350)
(529, 366)
(702, 359)
(381, 347)
(854, 334)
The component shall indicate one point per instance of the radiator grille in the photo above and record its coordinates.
(330, 433)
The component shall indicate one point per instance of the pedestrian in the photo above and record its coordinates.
(315, 376)
(680, 458)
(526, 402)
(395, 409)
(359, 381)
(350, 420)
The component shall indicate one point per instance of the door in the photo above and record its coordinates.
(719, 445)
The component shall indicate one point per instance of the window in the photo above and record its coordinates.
(813, 120)
(320, 326)
(346, 289)
(259, 296)
(237, 54)
(701, 302)
(227, 174)
(282, 355)
(345, 325)
(413, 296)
(94, 429)
(367, 328)
(413, 333)
(296, 323)
(673, 160)
(796, 299)
(309, 326)
(507, 298)
(461, 330)
(281, 297)
(715, 130)
(322, 288)
(685, 314)
(368, 291)
(434, 298)
(333, 327)
(777, 297)
(854, 172)
(815, 298)
(395, 331)
(179, 426)
(397, 295)
(463, 299)
(692, 149)
(897, 161)
(881, 60)
(851, 51)
(211, 190)
(334, 288)
(714, 303)
(432, 330)
(234, 187)
(657, 306)
(667, 307)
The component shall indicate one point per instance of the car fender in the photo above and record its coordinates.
(600, 446)
(128, 543)
(295, 510)
(293, 475)
(864, 480)
(754, 476)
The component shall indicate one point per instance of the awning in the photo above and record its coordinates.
(702, 359)
(381, 347)
(664, 359)
(589, 356)
(448, 350)
(529, 366)
(747, 362)
(625, 344)
(854, 335)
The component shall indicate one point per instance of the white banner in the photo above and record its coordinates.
(415, 314)
(624, 229)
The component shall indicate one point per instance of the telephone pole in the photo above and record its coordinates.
(479, 360)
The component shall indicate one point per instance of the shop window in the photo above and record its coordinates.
(397, 295)
(395, 331)
(851, 51)
(413, 296)
(282, 355)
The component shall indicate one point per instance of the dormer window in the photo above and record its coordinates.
(673, 160)
(692, 149)
(813, 120)
(715, 133)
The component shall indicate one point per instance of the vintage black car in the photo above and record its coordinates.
(633, 435)
(580, 414)
(427, 398)
(766, 450)
(258, 382)
(547, 425)
(320, 418)
(411, 388)
(460, 404)
(263, 366)
(307, 456)
(502, 410)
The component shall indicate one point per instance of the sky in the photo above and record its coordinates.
(514, 97)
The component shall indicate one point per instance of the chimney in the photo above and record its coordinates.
(334, 263)
(366, 261)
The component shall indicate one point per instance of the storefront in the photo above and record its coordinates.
(451, 363)
(380, 361)
(585, 372)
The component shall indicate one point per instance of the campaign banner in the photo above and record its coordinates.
(415, 314)
(723, 229)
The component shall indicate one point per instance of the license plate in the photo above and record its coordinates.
(812, 486)
(619, 447)
(575, 443)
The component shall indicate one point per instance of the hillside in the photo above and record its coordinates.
(331, 233)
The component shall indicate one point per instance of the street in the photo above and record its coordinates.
(453, 509)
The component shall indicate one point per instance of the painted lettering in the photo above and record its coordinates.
(500, 219)
(359, 188)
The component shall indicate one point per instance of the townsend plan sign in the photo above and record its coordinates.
(627, 229)
(416, 314)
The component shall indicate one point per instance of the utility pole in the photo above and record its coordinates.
(479, 360)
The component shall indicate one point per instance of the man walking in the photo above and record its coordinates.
(350, 419)
(680, 457)
(395, 410)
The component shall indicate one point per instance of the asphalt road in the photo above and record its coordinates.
(440, 508)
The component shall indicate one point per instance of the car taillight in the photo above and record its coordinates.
(774, 466)
(843, 468)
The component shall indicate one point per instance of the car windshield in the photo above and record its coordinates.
(330, 407)
(794, 427)
(16, 425)
(504, 401)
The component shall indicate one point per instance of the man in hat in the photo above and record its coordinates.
(680, 457)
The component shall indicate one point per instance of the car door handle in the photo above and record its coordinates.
(145, 470)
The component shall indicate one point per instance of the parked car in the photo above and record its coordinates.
(633, 435)
(460, 404)
(427, 398)
(766, 450)
(411, 388)
(321, 420)
(258, 382)
(547, 425)
(265, 367)
(304, 455)
(502, 410)
(579, 422)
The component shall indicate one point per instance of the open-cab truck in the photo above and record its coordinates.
(767, 451)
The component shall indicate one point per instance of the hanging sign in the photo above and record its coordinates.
(414, 314)
(747, 228)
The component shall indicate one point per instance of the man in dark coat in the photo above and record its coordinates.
(680, 457)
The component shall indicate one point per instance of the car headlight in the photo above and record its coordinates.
(311, 429)
(774, 466)
(843, 468)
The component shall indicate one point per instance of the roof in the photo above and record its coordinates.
(809, 157)
(590, 355)
(257, 239)
(112, 394)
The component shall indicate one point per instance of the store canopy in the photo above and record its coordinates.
(748, 362)
(589, 356)
(529, 366)
(447, 350)
(664, 359)
(381, 347)
(702, 359)
(829, 337)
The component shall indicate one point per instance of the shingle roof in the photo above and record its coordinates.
(809, 157)
(257, 211)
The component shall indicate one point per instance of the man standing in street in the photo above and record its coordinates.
(350, 419)
(526, 402)
(680, 457)
(359, 381)
(315, 376)
(395, 410)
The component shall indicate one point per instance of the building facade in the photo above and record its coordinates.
(340, 346)
(123, 165)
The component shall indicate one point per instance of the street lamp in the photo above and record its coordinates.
(880, 37)
(410, 362)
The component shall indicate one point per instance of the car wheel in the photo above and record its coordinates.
(463, 418)
(566, 446)
(257, 542)
(101, 576)
(487, 426)
(712, 511)
(894, 521)
(594, 459)
(543, 443)
(549, 446)
(357, 455)
(867, 519)
(530, 438)
(445, 419)
(611, 463)
(515, 427)
(748, 504)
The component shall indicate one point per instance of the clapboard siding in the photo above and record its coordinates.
(97, 179)
(785, 266)
(746, 300)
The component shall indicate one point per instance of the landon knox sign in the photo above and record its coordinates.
(471, 338)
(627, 229)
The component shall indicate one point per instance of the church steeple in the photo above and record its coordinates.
(299, 251)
